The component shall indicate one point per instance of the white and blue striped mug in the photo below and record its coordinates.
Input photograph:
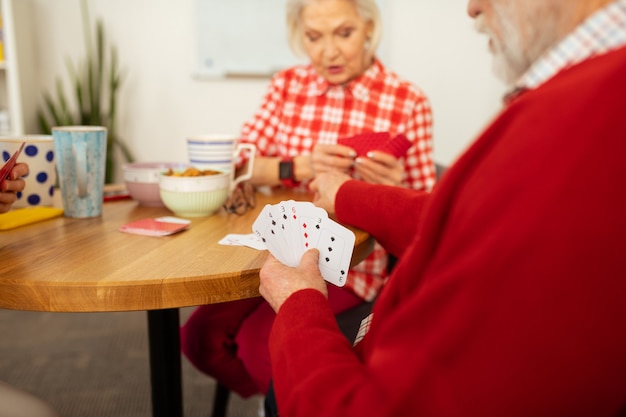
(81, 162)
(218, 152)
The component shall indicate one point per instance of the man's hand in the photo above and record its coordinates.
(279, 281)
(325, 186)
(379, 168)
(11, 186)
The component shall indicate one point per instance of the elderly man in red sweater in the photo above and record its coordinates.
(509, 298)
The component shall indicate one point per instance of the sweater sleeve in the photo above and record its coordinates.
(306, 317)
(359, 204)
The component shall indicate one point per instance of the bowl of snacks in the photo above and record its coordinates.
(142, 180)
(194, 192)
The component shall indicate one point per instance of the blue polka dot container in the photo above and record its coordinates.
(39, 155)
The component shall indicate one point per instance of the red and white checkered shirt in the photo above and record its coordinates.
(301, 109)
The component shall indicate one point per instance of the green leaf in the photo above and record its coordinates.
(95, 82)
(44, 127)
(51, 107)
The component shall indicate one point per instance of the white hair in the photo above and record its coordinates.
(367, 9)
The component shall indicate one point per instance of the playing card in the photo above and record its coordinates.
(250, 240)
(377, 141)
(335, 245)
(290, 228)
(267, 229)
(397, 146)
(282, 212)
(308, 220)
(8, 166)
(161, 226)
(363, 143)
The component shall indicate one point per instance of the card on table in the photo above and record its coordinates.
(290, 228)
(250, 240)
(161, 226)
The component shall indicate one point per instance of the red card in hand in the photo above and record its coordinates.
(365, 142)
(5, 171)
(397, 146)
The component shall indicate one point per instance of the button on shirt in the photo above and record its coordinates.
(301, 109)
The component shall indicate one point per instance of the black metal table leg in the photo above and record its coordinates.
(165, 363)
(220, 403)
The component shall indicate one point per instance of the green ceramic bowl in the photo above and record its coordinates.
(194, 196)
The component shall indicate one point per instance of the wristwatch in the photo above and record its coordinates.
(286, 173)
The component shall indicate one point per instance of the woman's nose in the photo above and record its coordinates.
(330, 49)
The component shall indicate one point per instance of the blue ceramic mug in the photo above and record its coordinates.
(81, 162)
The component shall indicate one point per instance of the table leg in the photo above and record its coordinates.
(165, 363)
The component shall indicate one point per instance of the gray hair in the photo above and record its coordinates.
(367, 9)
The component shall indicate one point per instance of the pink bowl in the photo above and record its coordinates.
(142, 180)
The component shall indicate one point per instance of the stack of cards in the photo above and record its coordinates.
(377, 141)
(161, 226)
(290, 228)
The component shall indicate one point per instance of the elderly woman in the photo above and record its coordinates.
(343, 92)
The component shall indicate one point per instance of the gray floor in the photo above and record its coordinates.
(95, 365)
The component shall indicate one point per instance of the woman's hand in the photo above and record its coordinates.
(279, 281)
(11, 186)
(379, 168)
(325, 158)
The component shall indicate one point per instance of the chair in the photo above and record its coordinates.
(439, 170)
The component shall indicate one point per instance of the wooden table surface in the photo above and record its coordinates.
(88, 265)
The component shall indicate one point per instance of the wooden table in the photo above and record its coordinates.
(87, 265)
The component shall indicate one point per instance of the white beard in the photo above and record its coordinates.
(508, 62)
(514, 51)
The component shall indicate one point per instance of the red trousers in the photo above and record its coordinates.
(228, 341)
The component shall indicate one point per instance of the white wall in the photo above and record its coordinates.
(431, 42)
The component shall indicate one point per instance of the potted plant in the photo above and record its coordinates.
(95, 84)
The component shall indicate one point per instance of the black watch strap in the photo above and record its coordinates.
(285, 169)
(286, 173)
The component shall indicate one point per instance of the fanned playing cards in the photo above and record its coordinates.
(290, 228)
(377, 141)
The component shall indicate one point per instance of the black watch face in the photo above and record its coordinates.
(285, 170)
